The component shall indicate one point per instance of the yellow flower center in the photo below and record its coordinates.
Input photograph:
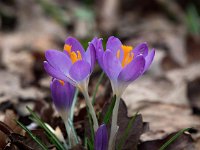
(62, 82)
(128, 55)
(73, 55)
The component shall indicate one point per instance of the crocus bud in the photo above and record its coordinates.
(62, 94)
(101, 138)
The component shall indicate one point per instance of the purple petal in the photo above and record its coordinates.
(133, 70)
(113, 44)
(62, 94)
(80, 70)
(76, 45)
(112, 65)
(54, 72)
(99, 57)
(101, 138)
(58, 60)
(141, 49)
(90, 55)
(97, 43)
(149, 59)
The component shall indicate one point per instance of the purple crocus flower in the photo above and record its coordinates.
(62, 94)
(101, 138)
(123, 64)
(73, 65)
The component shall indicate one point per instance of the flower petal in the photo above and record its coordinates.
(80, 70)
(113, 44)
(58, 60)
(97, 42)
(111, 65)
(99, 57)
(90, 55)
(133, 70)
(141, 49)
(99, 51)
(76, 45)
(62, 94)
(54, 72)
(101, 138)
(149, 59)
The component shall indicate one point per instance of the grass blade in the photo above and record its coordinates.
(51, 135)
(32, 136)
(170, 141)
(89, 144)
(91, 127)
(108, 114)
(126, 132)
(96, 87)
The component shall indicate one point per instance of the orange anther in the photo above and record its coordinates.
(62, 82)
(128, 55)
(67, 48)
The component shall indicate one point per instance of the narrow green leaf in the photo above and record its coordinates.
(32, 136)
(108, 114)
(96, 87)
(170, 141)
(91, 127)
(51, 135)
(126, 132)
(89, 144)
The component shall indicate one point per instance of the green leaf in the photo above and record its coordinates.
(89, 144)
(32, 136)
(193, 20)
(91, 126)
(51, 135)
(170, 141)
(126, 132)
(108, 114)
(96, 87)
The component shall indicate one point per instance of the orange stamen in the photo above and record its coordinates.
(67, 48)
(62, 82)
(73, 55)
(128, 55)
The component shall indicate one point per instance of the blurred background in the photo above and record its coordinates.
(168, 95)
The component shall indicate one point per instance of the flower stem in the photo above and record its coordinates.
(91, 110)
(114, 126)
(71, 118)
(70, 134)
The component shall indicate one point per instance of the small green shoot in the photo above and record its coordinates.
(97, 87)
(89, 144)
(126, 132)
(51, 135)
(38, 141)
(91, 129)
(170, 141)
(108, 114)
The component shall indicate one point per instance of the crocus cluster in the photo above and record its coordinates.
(73, 66)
